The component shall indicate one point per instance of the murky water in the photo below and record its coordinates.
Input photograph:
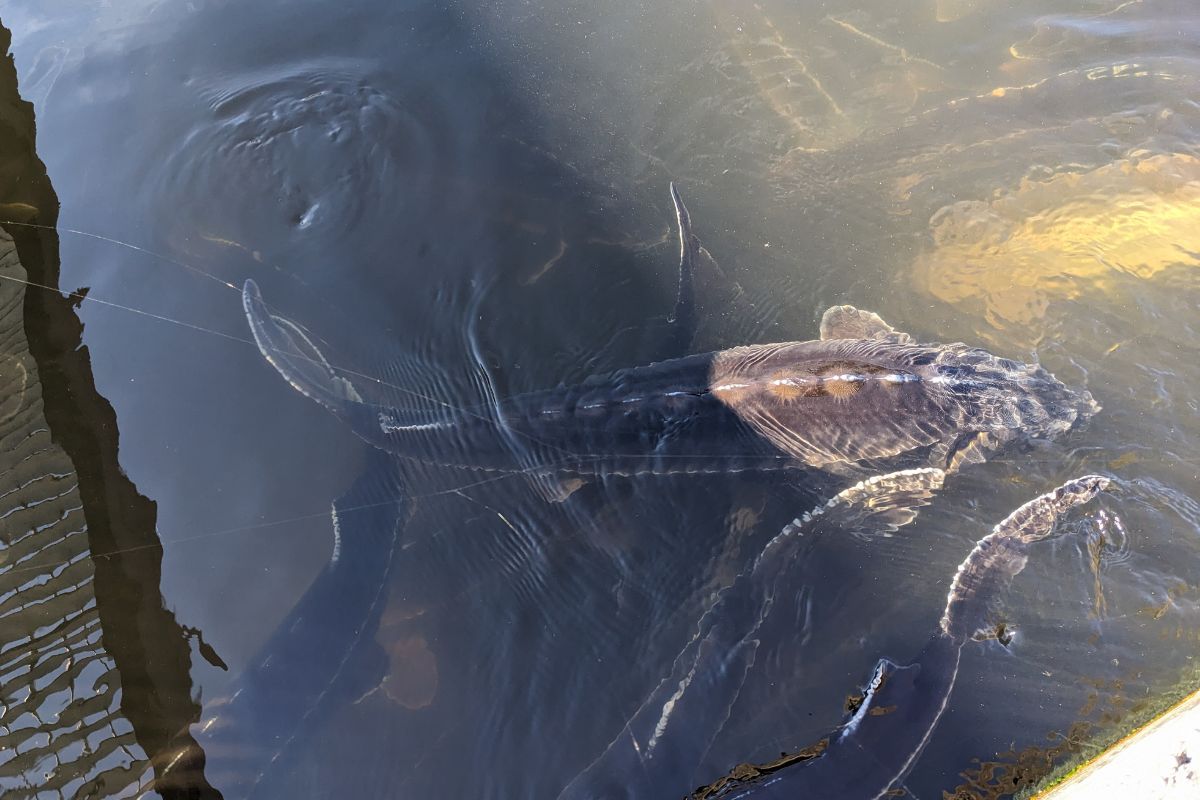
(470, 202)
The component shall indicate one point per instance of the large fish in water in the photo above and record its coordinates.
(861, 398)
(322, 656)
(875, 749)
(662, 745)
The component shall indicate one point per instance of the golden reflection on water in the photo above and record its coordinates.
(1055, 239)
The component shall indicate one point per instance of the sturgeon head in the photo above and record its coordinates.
(865, 392)
(1001, 555)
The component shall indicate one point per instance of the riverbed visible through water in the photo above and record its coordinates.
(467, 201)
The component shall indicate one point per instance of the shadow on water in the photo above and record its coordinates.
(95, 669)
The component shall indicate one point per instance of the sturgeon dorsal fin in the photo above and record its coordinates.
(848, 322)
(684, 315)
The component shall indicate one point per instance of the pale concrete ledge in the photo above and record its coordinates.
(1160, 761)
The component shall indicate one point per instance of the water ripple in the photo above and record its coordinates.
(315, 151)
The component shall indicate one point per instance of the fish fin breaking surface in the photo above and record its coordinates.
(684, 316)
(848, 322)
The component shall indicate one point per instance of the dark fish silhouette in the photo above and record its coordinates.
(875, 749)
(862, 398)
(323, 655)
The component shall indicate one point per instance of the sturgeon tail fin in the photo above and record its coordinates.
(286, 346)
(683, 317)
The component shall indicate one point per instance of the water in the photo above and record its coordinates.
(474, 198)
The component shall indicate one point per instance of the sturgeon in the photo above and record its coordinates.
(323, 654)
(877, 747)
(861, 399)
(661, 746)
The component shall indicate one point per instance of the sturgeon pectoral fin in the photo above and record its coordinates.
(848, 322)
(290, 350)
(973, 449)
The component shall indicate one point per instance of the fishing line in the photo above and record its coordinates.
(456, 490)
(140, 312)
(273, 523)
(489, 389)
(137, 248)
(194, 269)
(569, 458)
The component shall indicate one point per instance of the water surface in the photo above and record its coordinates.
(473, 199)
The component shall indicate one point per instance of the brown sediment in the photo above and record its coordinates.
(741, 522)
(549, 264)
(1108, 716)
(1015, 770)
(1095, 548)
(1134, 762)
(1174, 593)
(744, 773)
(412, 680)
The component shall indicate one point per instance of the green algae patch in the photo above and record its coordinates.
(1139, 719)
(1109, 717)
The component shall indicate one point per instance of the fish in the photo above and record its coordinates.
(665, 740)
(323, 654)
(878, 745)
(863, 398)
